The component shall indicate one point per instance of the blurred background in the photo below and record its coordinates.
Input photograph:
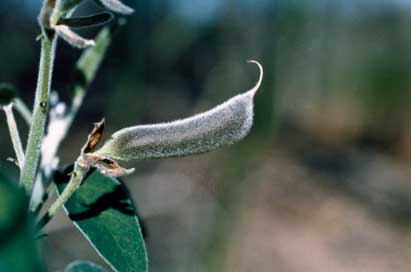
(322, 183)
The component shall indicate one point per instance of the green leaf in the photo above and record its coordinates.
(83, 266)
(88, 64)
(102, 210)
(18, 250)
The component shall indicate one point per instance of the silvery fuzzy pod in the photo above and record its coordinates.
(223, 125)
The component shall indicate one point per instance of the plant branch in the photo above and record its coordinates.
(81, 167)
(14, 134)
(76, 179)
(22, 108)
(40, 109)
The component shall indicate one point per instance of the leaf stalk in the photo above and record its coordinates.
(14, 134)
(76, 179)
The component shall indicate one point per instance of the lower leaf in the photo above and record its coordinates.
(104, 213)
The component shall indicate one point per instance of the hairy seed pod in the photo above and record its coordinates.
(223, 125)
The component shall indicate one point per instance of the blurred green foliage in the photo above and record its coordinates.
(18, 249)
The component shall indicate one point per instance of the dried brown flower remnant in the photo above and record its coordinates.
(94, 137)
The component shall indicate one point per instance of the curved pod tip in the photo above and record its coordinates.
(260, 77)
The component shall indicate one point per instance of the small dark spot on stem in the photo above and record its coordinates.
(43, 106)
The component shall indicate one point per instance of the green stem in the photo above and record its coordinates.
(40, 109)
(14, 134)
(77, 177)
(85, 71)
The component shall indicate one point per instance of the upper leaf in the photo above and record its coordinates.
(104, 213)
(223, 125)
(83, 266)
(86, 21)
(60, 20)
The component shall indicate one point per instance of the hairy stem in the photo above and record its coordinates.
(14, 134)
(59, 125)
(77, 177)
(40, 109)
